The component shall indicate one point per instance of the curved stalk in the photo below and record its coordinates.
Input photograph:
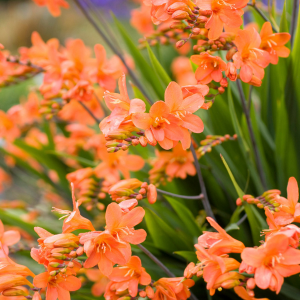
(181, 196)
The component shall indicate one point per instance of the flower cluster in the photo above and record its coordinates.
(278, 256)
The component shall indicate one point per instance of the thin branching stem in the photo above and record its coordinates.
(205, 200)
(294, 20)
(241, 220)
(90, 112)
(156, 260)
(113, 48)
(253, 5)
(161, 265)
(250, 97)
(252, 137)
(181, 196)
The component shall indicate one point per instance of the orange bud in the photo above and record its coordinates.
(177, 6)
(14, 292)
(143, 294)
(152, 193)
(36, 296)
(230, 53)
(251, 284)
(149, 292)
(180, 15)
(8, 281)
(143, 141)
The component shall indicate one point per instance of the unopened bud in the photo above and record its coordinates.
(224, 82)
(149, 292)
(177, 6)
(135, 142)
(70, 264)
(180, 43)
(142, 294)
(180, 15)
(79, 251)
(14, 292)
(53, 273)
(221, 90)
(229, 284)
(65, 243)
(58, 256)
(251, 284)
(56, 265)
(60, 250)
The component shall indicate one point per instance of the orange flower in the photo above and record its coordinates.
(169, 121)
(100, 280)
(106, 71)
(213, 266)
(183, 71)
(53, 5)
(173, 288)
(219, 243)
(9, 266)
(160, 125)
(177, 163)
(124, 188)
(74, 220)
(8, 238)
(249, 58)
(223, 13)
(141, 20)
(103, 249)
(114, 164)
(274, 42)
(129, 276)
(241, 292)
(58, 286)
(289, 208)
(209, 68)
(121, 226)
(121, 106)
(158, 10)
(9, 281)
(272, 262)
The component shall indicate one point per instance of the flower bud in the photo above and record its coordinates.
(177, 6)
(143, 141)
(230, 53)
(60, 250)
(251, 284)
(229, 284)
(180, 15)
(149, 292)
(14, 292)
(142, 294)
(221, 90)
(231, 72)
(180, 43)
(152, 193)
(58, 256)
(224, 82)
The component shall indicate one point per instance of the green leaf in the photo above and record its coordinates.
(255, 222)
(47, 160)
(143, 66)
(190, 256)
(243, 144)
(14, 220)
(232, 226)
(186, 216)
(160, 71)
(164, 236)
(236, 186)
(85, 162)
(138, 94)
(290, 291)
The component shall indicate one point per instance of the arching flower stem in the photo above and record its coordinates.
(205, 200)
(181, 196)
(113, 48)
(89, 111)
(252, 137)
(253, 5)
